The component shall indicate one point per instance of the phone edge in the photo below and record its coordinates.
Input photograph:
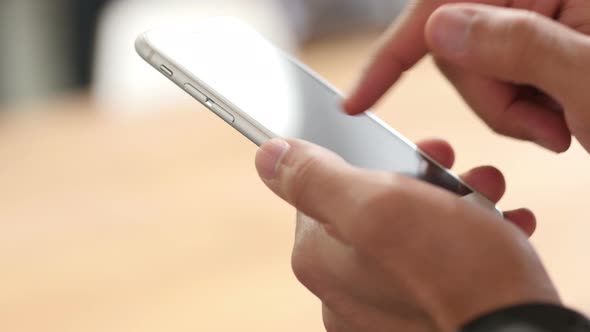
(257, 133)
(252, 130)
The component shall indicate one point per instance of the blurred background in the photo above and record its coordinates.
(126, 206)
(51, 47)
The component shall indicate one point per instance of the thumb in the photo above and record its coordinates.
(512, 45)
(314, 180)
(361, 208)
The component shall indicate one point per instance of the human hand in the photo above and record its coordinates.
(385, 252)
(523, 70)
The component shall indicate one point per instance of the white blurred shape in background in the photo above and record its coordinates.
(121, 77)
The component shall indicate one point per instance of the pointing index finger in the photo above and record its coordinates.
(404, 44)
(399, 49)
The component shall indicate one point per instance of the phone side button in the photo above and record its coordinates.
(225, 115)
(166, 71)
(198, 95)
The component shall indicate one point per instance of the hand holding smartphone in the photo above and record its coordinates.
(264, 93)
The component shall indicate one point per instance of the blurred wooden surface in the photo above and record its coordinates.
(158, 222)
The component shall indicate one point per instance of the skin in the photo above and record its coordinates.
(511, 104)
(384, 252)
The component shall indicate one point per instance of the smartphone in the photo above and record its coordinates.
(264, 93)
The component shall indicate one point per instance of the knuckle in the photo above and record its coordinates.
(523, 24)
(513, 43)
(522, 35)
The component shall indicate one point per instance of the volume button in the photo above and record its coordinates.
(198, 95)
(167, 71)
(225, 115)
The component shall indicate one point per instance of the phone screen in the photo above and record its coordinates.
(285, 98)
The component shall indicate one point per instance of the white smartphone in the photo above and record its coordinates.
(264, 93)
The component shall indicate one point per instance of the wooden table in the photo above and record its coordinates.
(158, 222)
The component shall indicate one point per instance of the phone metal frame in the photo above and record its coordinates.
(251, 128)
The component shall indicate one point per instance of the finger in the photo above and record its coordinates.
(523, 219)
(500, 107)
(403, 45)
(398, 50)
(359, 205)
(512, 46)
(439, 150)
(324, 187)
(314, 180)
(487, 180)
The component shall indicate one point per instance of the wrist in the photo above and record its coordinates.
(535, 317)
(523, 280)
(466, 310)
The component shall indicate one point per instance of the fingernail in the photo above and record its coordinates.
(451, 29)
(269, 156)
